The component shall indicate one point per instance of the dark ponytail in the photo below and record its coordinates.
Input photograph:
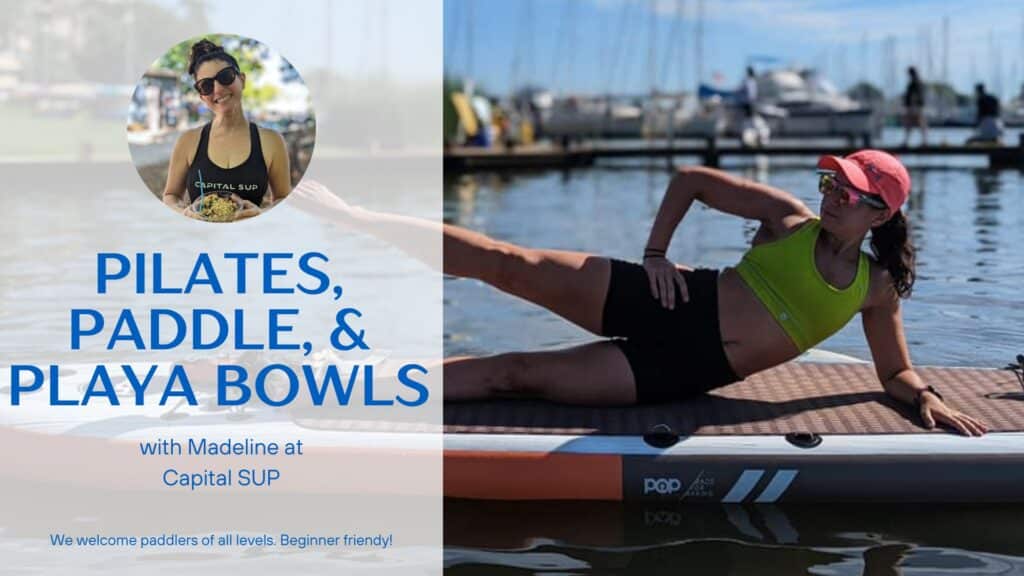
(205, 50)
(890, 243)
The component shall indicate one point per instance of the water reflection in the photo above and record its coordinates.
(986, 219)
(869, 540)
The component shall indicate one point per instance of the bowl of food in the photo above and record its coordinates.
(216, 208)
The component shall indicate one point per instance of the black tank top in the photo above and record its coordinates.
(248, 179)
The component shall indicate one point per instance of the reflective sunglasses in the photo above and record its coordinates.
(225, 77)
(829, 183)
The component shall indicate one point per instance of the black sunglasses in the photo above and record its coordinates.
(225, 77)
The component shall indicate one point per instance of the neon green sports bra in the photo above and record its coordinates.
(785, 278)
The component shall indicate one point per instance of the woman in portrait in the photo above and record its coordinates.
(229, 156)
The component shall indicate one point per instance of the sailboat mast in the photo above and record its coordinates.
(652, 37)
(699, 44)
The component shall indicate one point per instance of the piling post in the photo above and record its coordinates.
(1008, 156)
(711, 152)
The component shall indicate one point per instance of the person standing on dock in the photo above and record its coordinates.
(754, 131)
(913, 108)
(989, 128)
(749, 92)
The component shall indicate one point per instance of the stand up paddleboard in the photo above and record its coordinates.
(819, 429)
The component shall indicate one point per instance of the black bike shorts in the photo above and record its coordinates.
(674, 354)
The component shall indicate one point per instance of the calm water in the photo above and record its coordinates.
(968, 226)
(607, 538)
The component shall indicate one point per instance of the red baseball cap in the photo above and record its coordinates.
(874, 172)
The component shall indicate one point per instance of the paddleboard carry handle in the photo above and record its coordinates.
(661, 436)
(803, 439)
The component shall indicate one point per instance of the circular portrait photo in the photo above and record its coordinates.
(221, 128)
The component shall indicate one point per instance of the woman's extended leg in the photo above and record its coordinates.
(596, 374)
(570, 284)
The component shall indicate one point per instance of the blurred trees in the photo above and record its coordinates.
(866, 93)
(946, 94)
(116, 41)
(86, 41)
(249, 53)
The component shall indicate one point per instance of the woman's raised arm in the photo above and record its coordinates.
(723, 192)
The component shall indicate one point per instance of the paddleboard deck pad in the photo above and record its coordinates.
(817, 431)
(810, 432)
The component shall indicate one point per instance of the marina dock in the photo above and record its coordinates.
(711, 152)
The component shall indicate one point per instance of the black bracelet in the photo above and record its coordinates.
(929, 388)
(653, 252)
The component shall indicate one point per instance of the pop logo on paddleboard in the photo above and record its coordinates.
(662, 485)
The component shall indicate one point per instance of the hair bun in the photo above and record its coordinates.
(199, 52)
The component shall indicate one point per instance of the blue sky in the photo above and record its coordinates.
(603, 45)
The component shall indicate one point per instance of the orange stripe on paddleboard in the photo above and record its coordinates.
(532, 476)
